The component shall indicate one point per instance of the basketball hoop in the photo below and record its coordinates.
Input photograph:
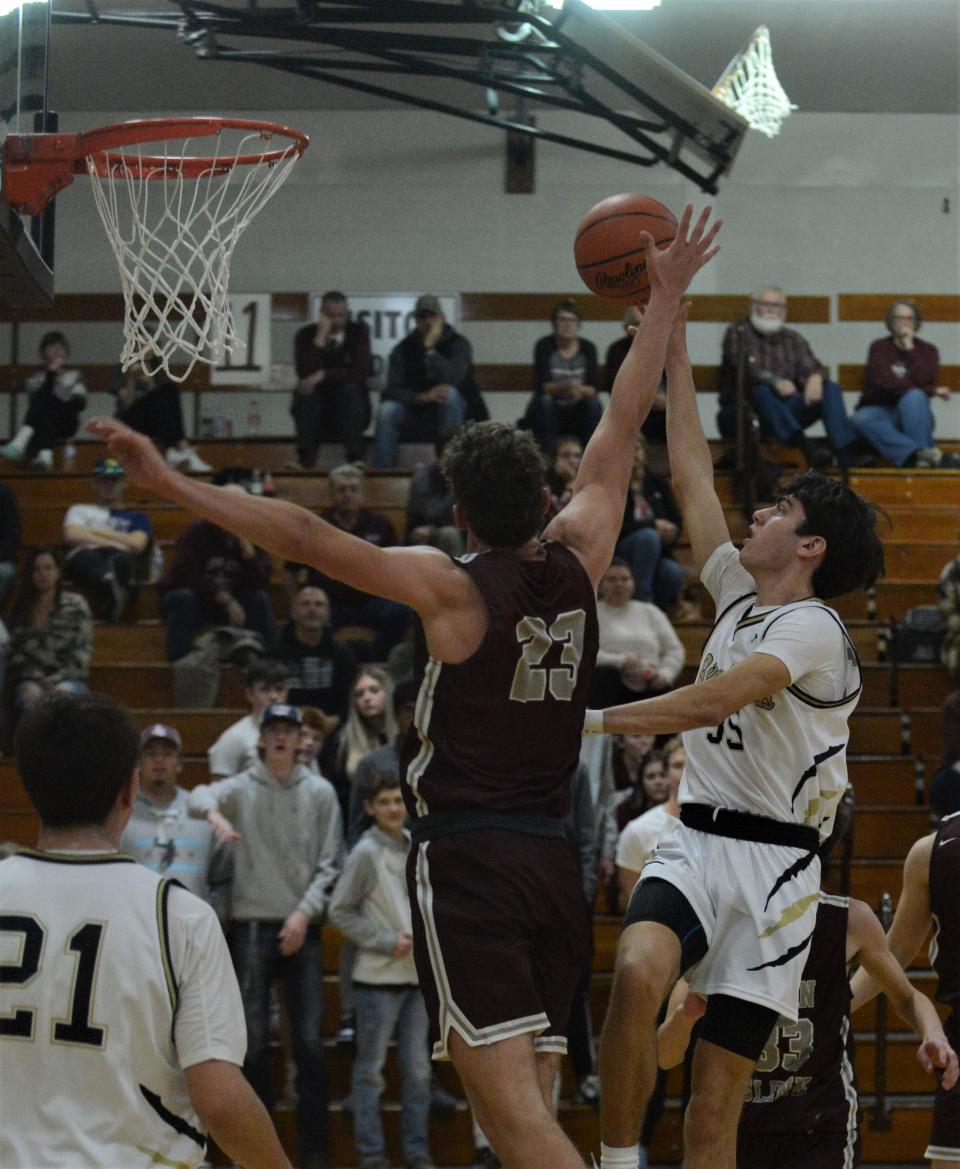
(750, 85)
(173, 243)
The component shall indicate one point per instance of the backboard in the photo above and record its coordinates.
(26, 242)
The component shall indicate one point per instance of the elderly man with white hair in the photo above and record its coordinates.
(787, 384)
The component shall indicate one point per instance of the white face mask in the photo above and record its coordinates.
(765, 325)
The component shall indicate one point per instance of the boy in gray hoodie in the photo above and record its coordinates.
(286, 824)
(371, 908)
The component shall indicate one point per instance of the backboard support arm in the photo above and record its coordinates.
(578, 62)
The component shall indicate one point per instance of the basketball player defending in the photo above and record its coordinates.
(931, 878)
(730, 897)
(509, 641)
(121, 1022)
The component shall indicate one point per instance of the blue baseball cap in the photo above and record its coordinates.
(281, 712)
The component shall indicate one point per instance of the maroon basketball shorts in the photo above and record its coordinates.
(499, 936)
(945, 1131)
(798, 1150)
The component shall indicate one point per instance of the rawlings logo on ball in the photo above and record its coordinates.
(619, 280)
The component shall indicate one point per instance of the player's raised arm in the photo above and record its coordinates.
(910, 922)
(418, 577)
(590, 523)
(691, 467)
(867, 945)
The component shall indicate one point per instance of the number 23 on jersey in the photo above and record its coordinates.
(531, 679)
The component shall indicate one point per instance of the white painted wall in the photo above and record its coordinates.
(386, 201)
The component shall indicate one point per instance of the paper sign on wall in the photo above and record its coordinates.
(249, 364)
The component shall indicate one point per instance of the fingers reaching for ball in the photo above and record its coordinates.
(672, 270)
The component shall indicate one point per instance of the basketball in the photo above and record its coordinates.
(607, 248)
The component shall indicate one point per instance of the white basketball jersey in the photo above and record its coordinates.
(100, 966)
(783, 757)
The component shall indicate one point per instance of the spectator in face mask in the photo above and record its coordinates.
(785, 382)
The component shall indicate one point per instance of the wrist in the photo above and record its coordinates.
(593, 722)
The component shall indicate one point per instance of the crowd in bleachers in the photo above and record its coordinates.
(302, 818)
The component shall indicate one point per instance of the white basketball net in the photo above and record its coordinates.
(173, 238)
(750, 85)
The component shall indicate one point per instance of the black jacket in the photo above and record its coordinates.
(411, 370)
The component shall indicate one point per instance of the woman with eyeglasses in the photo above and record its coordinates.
(902, 376)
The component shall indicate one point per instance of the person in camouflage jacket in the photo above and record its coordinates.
(51, 634)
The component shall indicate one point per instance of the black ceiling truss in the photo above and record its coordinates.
(523, 54)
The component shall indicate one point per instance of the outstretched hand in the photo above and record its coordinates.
(143, 463)
(671, 270)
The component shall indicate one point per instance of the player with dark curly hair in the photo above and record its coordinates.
(729, 899)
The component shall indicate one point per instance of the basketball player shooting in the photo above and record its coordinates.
(729, 899)
(507, 647)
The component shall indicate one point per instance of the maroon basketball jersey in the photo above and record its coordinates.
(945, 909)
(804, 1079)
(501, 731)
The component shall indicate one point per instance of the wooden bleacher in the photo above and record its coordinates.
(896, 734)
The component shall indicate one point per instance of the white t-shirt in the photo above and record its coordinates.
(236, 749)
(641, 836)
(116, 981)
(783, 757)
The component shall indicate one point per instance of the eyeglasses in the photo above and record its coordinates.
(770, 306)
(903, 317)
(567, 320)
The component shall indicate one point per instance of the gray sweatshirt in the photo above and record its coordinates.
(291, 840)
(370, 907)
